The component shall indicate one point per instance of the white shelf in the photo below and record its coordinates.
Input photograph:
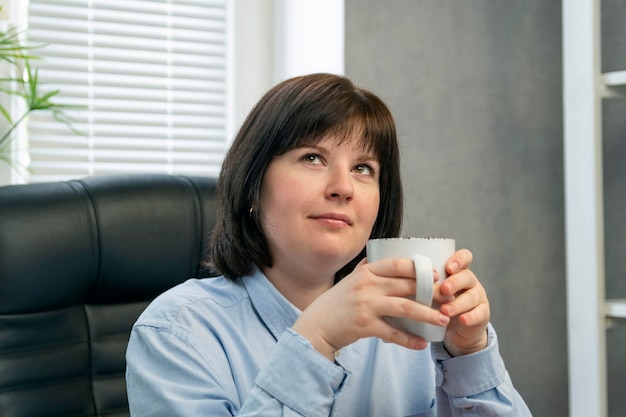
(614, 79)
(615, 309)
(613, 85)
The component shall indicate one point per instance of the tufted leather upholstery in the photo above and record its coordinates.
(79, 260)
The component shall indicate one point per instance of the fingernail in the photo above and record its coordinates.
(454, 266)
(443, 319)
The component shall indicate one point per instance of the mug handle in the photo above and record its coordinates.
(424, 280)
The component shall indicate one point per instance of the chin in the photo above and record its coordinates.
(335, 247)
(337, 255)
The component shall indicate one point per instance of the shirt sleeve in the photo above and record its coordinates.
(477, 384)
(297, 379)
(166, 376)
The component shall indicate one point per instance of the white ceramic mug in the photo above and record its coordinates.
(427, 253)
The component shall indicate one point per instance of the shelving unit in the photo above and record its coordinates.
(588, 312)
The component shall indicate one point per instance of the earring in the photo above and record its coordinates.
(251, 210)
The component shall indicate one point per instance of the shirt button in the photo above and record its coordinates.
(337, 354)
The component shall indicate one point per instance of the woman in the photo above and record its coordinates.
(295, 325)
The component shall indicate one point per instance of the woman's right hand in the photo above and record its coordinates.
(356, 308)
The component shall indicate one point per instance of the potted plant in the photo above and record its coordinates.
(21, 82)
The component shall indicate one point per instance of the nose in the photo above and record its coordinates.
(340, 185)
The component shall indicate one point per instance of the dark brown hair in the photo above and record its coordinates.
(299, 112)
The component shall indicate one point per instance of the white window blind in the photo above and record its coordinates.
(150, 77)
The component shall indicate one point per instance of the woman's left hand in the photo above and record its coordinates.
(464, 300)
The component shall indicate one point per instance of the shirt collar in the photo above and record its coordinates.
(274, 309)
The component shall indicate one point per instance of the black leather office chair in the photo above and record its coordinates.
(79, 261)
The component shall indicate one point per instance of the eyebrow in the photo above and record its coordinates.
(365, 156)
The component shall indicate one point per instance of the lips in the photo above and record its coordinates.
(334, 217)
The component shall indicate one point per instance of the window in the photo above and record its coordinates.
(150, 77)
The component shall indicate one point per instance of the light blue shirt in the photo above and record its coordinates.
(216, 347)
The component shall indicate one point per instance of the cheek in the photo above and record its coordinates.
(370, 208)
(279, 202)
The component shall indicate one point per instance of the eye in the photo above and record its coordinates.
(364, 169)
(312, 158)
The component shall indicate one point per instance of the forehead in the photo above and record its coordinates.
(355, 144)
(354, 137)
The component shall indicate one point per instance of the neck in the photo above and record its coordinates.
(302, 290)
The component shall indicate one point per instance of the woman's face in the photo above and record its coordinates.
(318, 205)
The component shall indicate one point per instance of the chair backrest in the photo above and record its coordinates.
(79, 261)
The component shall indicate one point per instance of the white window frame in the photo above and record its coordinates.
(273, 40)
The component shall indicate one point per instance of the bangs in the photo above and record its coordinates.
(373, 132)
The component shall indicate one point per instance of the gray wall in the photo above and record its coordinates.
(614, 125)
(476, 88)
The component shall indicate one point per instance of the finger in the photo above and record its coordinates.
(465, 301)
(393, 267)
(392, 334)
(461, 281)
(436, 275)
(478, 316)
(374, 276)
(410, 309)
(394, 277)
(397, 287)
(460, 260)
(440, 298)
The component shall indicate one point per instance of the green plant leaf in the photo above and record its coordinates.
(12, 49)
(6, 114)
(26, 86)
